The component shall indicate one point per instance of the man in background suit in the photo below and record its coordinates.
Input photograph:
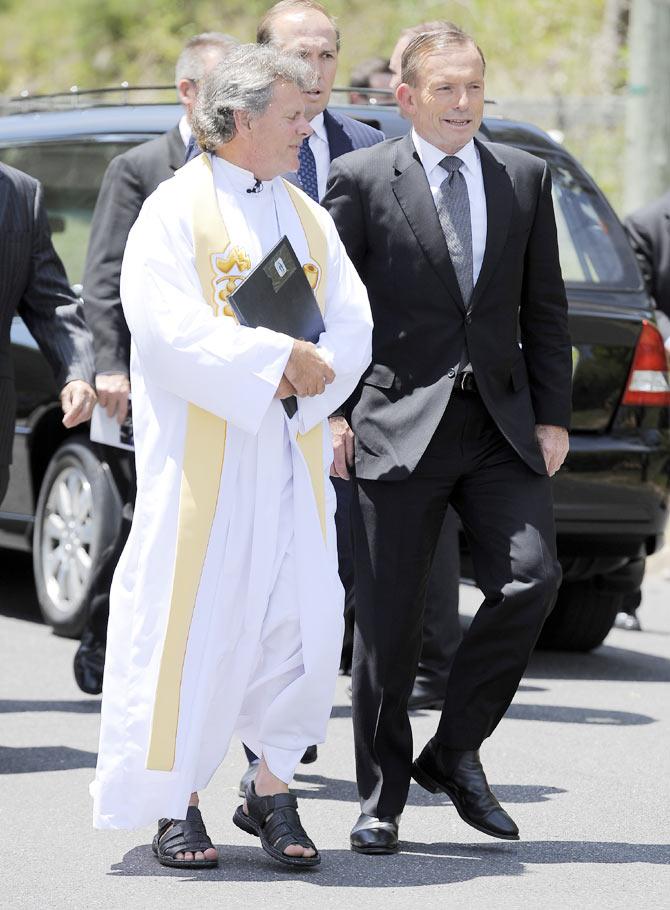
(128, 181)
(304, 28)
(33, 285)
(455, 240)
(648, 230)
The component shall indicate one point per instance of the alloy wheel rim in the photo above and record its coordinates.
(67, 532)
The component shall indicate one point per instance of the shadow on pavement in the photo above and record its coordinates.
(561, 714)
(558, 714)
(30, 759)
(80, 706)
(416, 864)
(318, 787)
(607, 663)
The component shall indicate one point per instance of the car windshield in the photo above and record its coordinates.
(592, 244)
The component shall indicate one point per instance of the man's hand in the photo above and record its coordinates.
(113, 392)
(306, 370)
(77, 399)
(284, 389)
(343, 447)
(554, 443)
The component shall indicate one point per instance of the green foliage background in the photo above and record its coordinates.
(534, 48)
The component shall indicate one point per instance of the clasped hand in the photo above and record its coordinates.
(306, 373)
(77, 400)
(554, 444)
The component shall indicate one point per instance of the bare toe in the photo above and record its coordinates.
(211, 853)
(297, 850)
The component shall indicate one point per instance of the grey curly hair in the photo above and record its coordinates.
(244, 81)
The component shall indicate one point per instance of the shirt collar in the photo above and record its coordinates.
(319, 127)
(185, 130)
(431, 156)
(240, 179)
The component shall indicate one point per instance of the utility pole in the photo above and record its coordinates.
(647, 160)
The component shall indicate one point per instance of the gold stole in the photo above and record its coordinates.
(204, 451)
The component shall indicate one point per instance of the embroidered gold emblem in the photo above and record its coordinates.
(229, 270)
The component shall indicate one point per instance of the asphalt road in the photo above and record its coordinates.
(581, 762)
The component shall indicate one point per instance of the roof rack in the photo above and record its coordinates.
(115, 95)
(112, 95)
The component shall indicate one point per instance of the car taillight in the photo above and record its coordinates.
(648, 378)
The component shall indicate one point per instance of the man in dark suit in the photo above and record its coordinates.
(648, 230)
(304, 28)
(34, 286)
(128, 181)
(456, 242)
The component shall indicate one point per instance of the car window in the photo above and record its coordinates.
(592, 245)
(71, 173)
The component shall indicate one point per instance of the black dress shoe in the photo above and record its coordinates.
(425, 695)
(89, 665)
(460, 775)
(311, 755)
(375, 835)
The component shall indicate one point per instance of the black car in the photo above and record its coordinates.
(611, 497)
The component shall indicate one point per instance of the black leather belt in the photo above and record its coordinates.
(465, 382)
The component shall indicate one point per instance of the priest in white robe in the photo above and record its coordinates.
(226, 606)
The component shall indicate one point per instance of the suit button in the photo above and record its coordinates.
(451, 374)
(468, 319)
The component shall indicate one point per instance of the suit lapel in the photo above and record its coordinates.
(499, 202)
(339, 143)
(176, 149)
(412, 191)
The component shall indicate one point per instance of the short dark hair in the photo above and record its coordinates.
(264, 33)
(366, 69)
(428, 42)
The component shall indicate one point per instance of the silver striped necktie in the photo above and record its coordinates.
(453, 210)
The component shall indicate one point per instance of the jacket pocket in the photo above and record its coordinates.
(380, 376)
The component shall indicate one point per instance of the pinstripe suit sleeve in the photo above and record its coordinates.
(50, 309)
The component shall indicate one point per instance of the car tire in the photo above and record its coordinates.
(77, 517)
(583, 615)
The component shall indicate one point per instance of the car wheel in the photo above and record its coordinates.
(77, 517)
(583, 615)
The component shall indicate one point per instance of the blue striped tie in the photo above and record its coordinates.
(307, 171)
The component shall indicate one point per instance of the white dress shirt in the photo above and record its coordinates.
(318, 142)
(185, 130)
(472, 171)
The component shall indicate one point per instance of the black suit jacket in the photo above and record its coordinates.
(649, 233)
(382, 205)
(34, 285)
(129, 179)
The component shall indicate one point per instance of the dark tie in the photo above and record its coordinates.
(453, 210)
(307, 171)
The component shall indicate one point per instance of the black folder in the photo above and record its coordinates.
(277, 295)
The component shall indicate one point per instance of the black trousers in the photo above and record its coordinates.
(507, 515)
(122, 466)
(441, 626)
(4, 480)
